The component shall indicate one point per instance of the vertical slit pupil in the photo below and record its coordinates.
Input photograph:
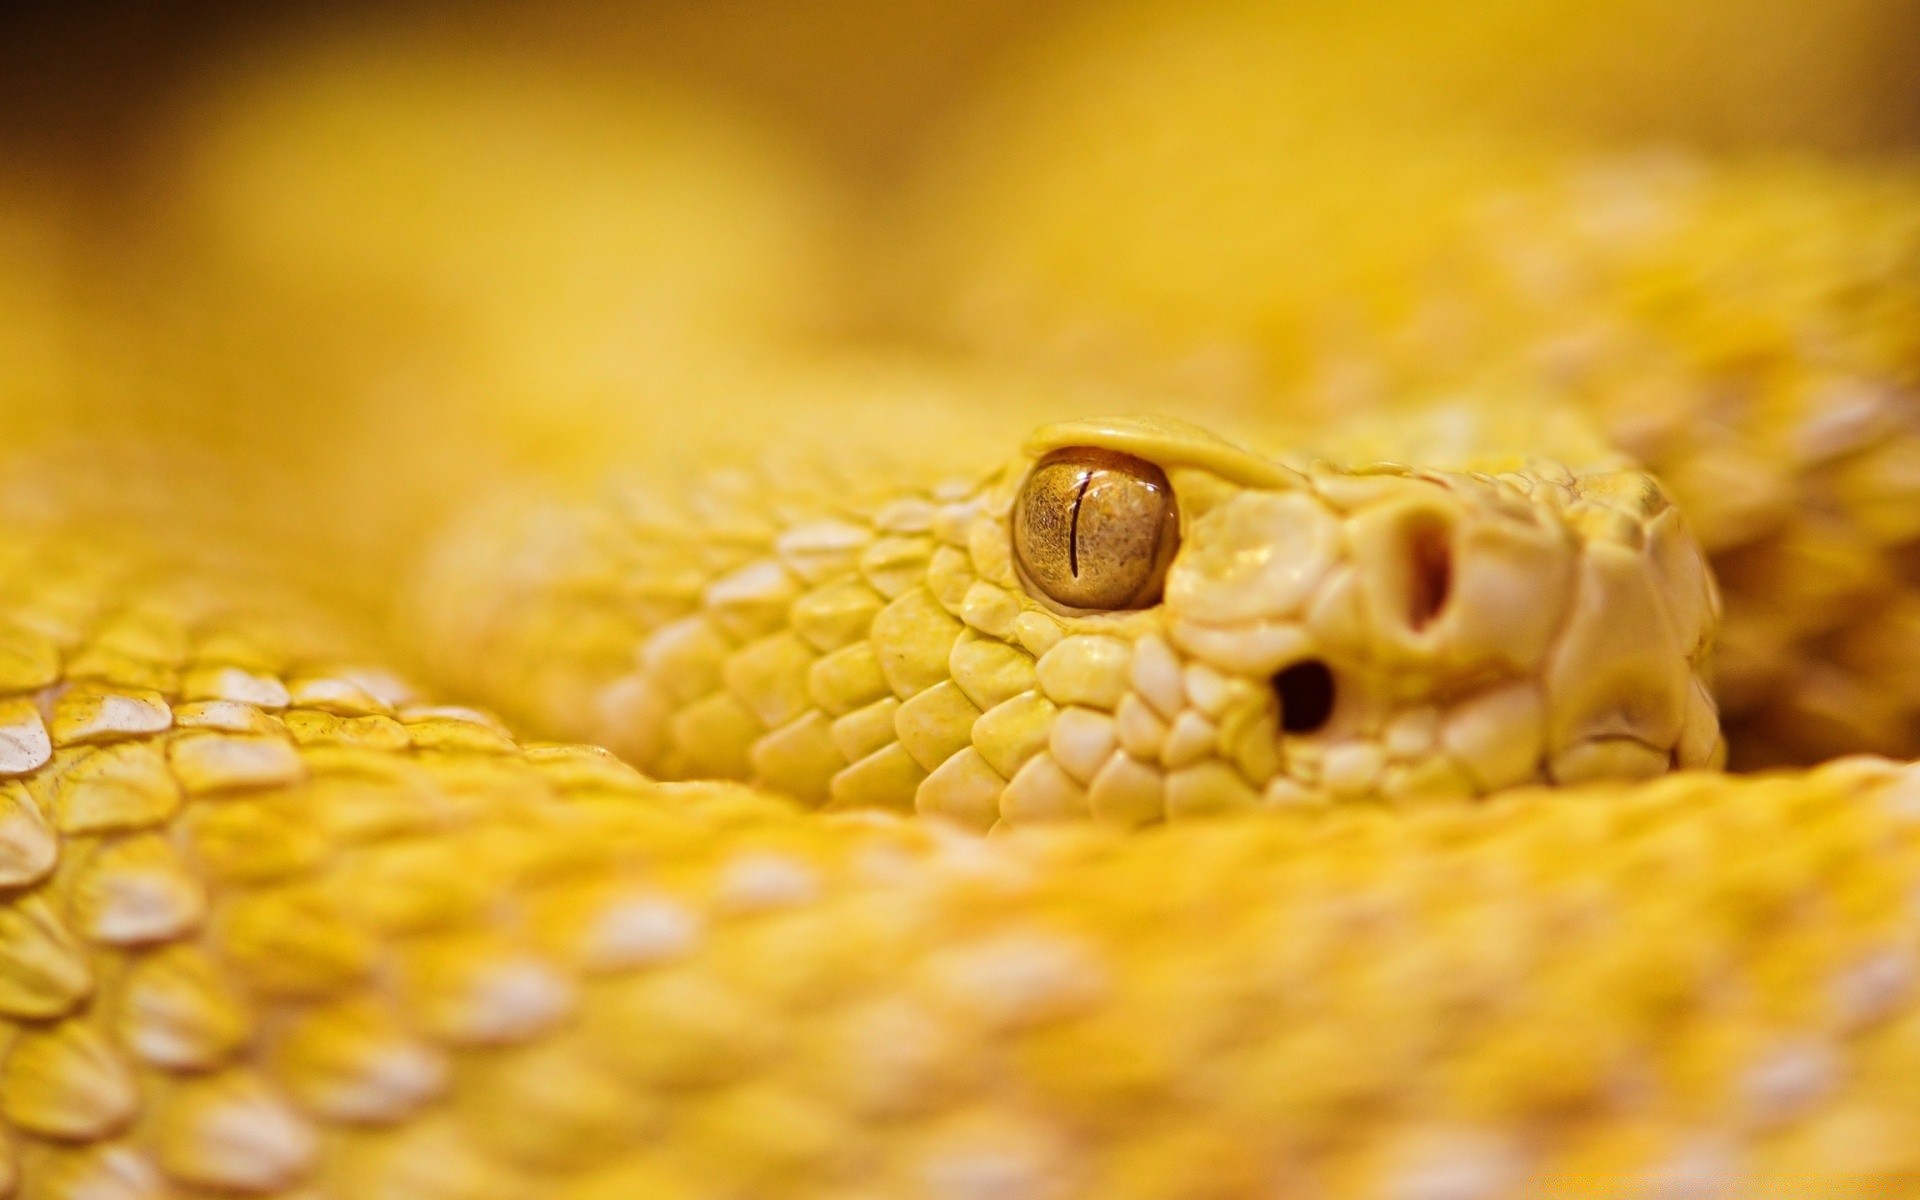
(1306, 696)
(1073, 526)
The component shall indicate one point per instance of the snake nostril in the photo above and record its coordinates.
(1305, 690)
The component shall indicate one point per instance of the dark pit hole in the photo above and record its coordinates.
(1306, 696)
(1430, 551)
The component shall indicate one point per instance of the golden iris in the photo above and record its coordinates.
(1095, 529)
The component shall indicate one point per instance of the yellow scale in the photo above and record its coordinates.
(278, 926)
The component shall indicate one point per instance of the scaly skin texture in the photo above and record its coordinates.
(1750, 336)
(272, 927)
(1766, 366)
(1745, 327)
(885, 652)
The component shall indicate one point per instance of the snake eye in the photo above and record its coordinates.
(1095, 529)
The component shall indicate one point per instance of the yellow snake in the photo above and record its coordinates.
(1123, 813)
(278, 925)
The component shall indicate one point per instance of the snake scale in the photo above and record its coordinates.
(1108, 810)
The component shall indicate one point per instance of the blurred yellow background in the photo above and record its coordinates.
(82, 85)
(844, 148)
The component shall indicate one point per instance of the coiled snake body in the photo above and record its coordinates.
(277, 926)
(1130, 815)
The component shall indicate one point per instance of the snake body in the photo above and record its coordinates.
(277, 926)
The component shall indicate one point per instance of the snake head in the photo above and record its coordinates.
(1213, 629)
(1128, 619)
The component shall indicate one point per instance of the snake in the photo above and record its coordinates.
(1139, 815)
(1116, 808)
